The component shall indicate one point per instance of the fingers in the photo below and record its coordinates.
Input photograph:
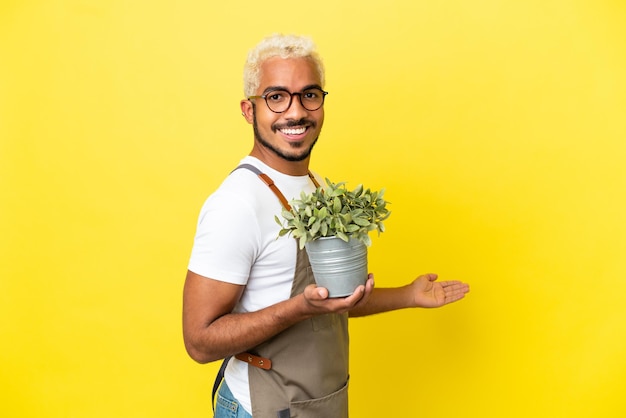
(319, 301)
(454, 291)
(355, 296)
(457, 286)
(369, 284)
(322, 292)
(454, 285)
(315, 293)
(430, 277)
(447, 283)
(454, 297)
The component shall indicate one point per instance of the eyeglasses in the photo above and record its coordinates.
(278, 101)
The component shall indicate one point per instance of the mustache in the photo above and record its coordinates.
(293, 123)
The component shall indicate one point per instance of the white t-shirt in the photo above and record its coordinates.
(237, 242)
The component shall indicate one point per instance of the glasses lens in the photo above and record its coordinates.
(312, 99)
(278, 101)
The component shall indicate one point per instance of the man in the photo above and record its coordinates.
(248, 294)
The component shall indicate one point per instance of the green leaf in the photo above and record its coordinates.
(315, 227)
(366, 240)
(343, 236)
(361, 221)
(337, 205)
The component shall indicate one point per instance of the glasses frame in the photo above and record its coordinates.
(299, 94)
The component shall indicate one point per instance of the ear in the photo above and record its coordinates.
(247, 110)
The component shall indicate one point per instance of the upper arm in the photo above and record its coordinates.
(204, 301)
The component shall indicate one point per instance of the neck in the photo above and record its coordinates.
(291, 168)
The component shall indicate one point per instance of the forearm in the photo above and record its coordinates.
(237, 332)
(385, 300)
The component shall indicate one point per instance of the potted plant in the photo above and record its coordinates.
(333, 225)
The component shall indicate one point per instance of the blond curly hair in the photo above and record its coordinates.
(278, 45)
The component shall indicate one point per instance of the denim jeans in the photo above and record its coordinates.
(227, 406)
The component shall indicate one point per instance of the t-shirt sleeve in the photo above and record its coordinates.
(226, 241)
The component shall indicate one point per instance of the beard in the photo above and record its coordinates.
(295, 156)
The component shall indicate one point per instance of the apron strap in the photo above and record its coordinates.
(270, 183)
(218, 380)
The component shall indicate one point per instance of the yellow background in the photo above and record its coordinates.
(497, 128)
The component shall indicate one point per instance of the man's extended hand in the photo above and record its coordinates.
(429, 293)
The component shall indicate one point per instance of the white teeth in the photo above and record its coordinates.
(293, 131)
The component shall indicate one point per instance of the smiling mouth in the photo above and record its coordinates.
(294, 127)
(294, 131)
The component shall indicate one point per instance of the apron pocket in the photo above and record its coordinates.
(334, 405)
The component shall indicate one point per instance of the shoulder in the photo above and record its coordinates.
(239, 185)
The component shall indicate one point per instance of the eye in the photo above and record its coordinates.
(310, 94)
(276, 96)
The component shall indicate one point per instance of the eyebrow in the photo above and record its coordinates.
(274, 88)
